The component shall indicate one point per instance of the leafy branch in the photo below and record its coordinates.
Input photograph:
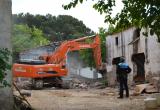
(139, 13)
(4, 65)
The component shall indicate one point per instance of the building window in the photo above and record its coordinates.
(116, 40)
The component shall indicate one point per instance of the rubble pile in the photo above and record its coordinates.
(73, 82)
(23, 83)
(80, 82)
(154, 79)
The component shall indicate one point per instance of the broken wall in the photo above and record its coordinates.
(36, 52)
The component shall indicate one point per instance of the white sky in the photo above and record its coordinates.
(84, 12)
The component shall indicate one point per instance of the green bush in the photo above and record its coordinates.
(4, 66)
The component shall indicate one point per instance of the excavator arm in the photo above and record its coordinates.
(59, 56)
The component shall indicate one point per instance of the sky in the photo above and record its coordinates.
(84, 12)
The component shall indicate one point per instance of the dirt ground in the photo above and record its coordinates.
(78, 99)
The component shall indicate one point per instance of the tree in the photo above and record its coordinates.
(26, 38)
(62, 27)
(140, 13)
(4, 66)
(102, 34)
(87, 54)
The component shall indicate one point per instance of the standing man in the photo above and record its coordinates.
(122, 74)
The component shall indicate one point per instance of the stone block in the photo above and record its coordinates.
(150, 103)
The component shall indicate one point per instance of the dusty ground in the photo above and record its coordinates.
(92, 99)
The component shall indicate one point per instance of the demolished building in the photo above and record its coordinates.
(76, 66)
(141, 52)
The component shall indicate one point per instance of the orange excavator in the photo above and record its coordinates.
(50, 68)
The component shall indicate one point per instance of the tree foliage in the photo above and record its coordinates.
(4, 66)
(26, 38)
(62, 27)
(102, 34)
(87, 54)
(140, 13)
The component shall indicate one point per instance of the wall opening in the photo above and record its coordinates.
(139, 60)
(116, 40)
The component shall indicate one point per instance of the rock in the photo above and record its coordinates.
(140, 88)
(146, 88)
(83, 86)
(158, 86)
(23, 83)
(157, 96)
(154, 81)
(75, 80)
(26, 93)
(98, 84)
(150, 89)
(150, 103)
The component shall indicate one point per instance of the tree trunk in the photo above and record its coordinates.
(6, 95)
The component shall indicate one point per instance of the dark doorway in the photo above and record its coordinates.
(139, 60)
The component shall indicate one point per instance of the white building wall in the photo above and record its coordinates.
(124, 38)
(147, 45)
(152, 64)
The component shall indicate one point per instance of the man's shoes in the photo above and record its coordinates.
(120, 97)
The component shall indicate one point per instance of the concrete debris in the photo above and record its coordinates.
(23, 83)
(154, 79)
(81, 84)
(26, 93)
(150, 103)
(150, 89)
(77, 84)
(74, 82)
(140, 88)
(145, 88)
(98, 84)
(157, 96)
